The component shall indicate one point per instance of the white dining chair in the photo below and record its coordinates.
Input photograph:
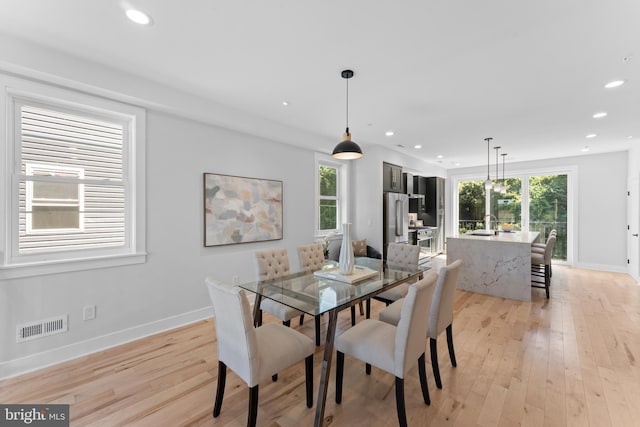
(402, 255)
(273, 264)
(394, 349)
(254, 354)
(311, 258)
(440, 314)
(541, 265)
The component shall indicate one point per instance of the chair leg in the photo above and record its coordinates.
(308, 371)
(434, 361)
(368, 309)
(274, 378)
(317, 319)
(452, 353)
(361, 308)
(287, 323)
(422, 371)
(367, 368)
(253, 406)
(301, 319)
(547, 278)
(339, 374)
(353, 315)
(222, 379)
(402, 414)
(259, 318)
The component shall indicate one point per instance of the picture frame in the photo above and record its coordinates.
(241, 209)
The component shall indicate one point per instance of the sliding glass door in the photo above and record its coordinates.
(548, 209)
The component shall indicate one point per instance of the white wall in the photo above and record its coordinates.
(168, 290)
(601, 208)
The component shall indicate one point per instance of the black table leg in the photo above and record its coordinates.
(326, 368)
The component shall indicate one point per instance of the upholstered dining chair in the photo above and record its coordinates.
(273, 264)
(254, 354)
(401, 255)
(541, 266)
(440, 314)
(311, 258)
(394, 349)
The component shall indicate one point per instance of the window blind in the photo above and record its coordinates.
(55, 141)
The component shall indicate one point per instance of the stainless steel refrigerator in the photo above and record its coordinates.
(396, 219)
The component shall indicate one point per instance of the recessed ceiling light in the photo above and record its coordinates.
(389, 133)
(614, 83)
(629, 136)
(585, 149)
(417, 147)
(440, 156)
(600, 115)
(591, 135)
(285, 103)
(139, 17)
(457, 163)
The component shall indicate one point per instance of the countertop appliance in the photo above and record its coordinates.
(396, 219)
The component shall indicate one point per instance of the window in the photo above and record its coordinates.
(331, 188)
(76, 185)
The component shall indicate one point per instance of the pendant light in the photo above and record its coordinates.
(347, 149)
(497, 187)
(488, 183)
(503, 190)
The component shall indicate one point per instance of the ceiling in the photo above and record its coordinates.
(444, 74)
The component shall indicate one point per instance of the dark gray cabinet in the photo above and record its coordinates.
(392, 178)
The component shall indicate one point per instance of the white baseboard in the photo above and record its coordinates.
(48, 358)
(603, 267)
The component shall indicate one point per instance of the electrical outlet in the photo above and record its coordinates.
(235, 280)
(89, 312)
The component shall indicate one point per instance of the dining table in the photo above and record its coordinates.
(328, 291)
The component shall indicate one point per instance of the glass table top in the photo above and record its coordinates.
(315, 295)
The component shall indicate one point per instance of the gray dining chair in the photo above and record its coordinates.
(541, 266)
(254, 354)
(394, 349)
(440, 314)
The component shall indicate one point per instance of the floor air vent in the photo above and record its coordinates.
(42, 328)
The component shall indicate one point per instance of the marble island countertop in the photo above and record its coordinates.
(527, 237)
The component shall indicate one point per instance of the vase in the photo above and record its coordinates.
(347, 260)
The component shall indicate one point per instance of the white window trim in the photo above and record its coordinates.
(572, 200)
(342, 196)
(25, 266)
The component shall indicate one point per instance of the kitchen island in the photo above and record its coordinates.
(494, 264)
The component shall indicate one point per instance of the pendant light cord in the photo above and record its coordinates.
(347, 106)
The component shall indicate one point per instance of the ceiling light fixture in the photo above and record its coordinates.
(585, 149)
(139, 17)
(488, 184)
(600, 115)
(503, 187)
(497, 187)
(440, 156)
(347, 149)
(389, 133)
(614, 83)
(285, 103)
(417, 146)
(591, 135)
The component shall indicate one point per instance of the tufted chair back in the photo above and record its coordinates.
(272, 264)
(403, 254)
(311, 257)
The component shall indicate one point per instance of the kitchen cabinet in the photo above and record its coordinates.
(392, 178)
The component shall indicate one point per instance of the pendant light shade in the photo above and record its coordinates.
(347, 149)
(488, 184)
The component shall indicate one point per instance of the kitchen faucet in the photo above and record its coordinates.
(489, 223)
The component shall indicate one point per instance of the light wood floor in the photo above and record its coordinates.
(572, 360)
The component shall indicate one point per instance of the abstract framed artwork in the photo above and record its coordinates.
(241, 210)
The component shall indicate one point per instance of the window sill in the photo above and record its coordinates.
(17, 271)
